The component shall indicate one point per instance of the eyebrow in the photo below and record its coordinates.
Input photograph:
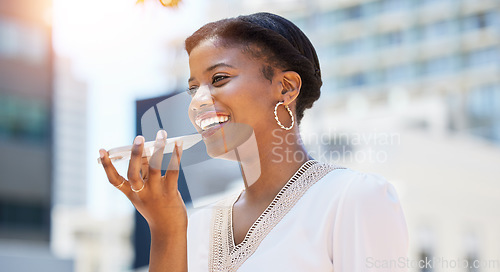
(213, 67)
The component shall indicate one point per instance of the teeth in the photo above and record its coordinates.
(207, 122)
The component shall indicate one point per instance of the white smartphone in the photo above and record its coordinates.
(124, 152)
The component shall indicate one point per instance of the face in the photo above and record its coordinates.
(231, 98)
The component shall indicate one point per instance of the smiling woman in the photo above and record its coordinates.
(258, 73)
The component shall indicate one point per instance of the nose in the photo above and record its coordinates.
(201, 99)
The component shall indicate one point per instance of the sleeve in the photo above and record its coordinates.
(370, 232)
(197, 240)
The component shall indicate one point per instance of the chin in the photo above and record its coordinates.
(231, 142)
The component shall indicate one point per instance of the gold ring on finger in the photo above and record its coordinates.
(121, 184)
(138, 190)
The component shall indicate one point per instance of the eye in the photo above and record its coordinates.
(192, 90)
(218, 78)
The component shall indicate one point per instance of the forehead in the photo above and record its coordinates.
(210, 52)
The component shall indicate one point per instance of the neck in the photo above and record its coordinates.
(277, 161)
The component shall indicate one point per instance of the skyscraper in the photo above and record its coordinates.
(25, 126)
(26, 137)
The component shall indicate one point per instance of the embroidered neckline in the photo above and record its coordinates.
(224, 255)
(294, 177)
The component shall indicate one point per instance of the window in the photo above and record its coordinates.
(440, 66)
(394, 5)
(20, 219)
(329, 18)
(479, 21)
(24, 119)
(355, 80)
(340, 15)
(24, 215)
(9, 38)
(390, 39)
(482, 100)
(482, 57)
(358, 79)
(432, 2)
(483, 112)
(413, 34)
(18, 40)
(438, 29)
(399, 73)
(370, 8)
(352, 13)
(351, 47)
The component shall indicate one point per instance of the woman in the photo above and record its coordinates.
(261, 71)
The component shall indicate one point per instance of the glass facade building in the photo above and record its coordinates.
(443, 46)
(25, 120)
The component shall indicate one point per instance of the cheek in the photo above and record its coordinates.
(191, 114)
(249, 97)
(258, 90)
(257, 105)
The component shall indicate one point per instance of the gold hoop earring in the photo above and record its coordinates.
(277, 119)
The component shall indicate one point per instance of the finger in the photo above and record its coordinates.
(172, 174)
(114, 178)
(145, 164)
(157, 157)
(134, 167)
(144, 168)
(109, 168)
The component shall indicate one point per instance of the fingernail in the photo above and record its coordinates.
(178, 144)
(102, 153)
(138, 140)
(160, 135)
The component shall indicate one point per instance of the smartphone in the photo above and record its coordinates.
(124, 152)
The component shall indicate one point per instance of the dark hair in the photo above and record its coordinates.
(279, 41)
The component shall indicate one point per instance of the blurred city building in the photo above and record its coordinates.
(70, 136)
(26, 137)
(94, 244)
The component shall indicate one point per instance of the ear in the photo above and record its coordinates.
(291, 83)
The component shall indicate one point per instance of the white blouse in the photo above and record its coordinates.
(324, 219)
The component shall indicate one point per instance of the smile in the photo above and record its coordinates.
(211, 120)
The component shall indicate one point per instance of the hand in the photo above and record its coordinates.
(156, 197)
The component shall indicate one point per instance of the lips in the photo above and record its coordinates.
(211, 121)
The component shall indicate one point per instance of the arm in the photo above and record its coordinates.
(168, 251)
(157, 198)
(370, 231)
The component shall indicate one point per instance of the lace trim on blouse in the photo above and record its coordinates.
(224, 255)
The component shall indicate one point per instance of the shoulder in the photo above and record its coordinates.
(370, 200)
(360, 188)
(359, 184)
(369, 188)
